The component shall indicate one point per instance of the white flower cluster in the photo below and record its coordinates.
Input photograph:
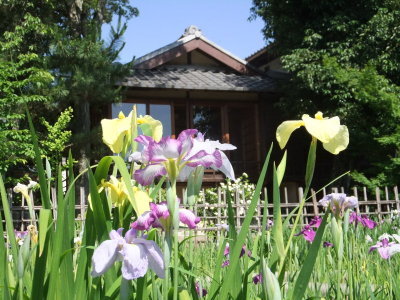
(240, 190)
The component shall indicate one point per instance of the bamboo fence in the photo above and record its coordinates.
(385, 201)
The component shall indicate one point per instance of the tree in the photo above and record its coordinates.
(344, 57)
(23, 83)
(70, 51)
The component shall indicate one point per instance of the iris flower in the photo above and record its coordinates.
(117, 132)
(334, 137)
(119, 195)
(307, 232)
(136, 253)
(159, 217)
(338, 202)
(363, 220)
(24, 189)
(178, 157)
(385, 248)
(257, 278)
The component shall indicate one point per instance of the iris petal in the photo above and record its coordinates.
(284, 131)
(324, 130)
(147, 175)
(114, 132)
(339, 142)
(154, 255)
(135, 262)
(104, 257)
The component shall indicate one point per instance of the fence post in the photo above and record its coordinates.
(304, 208)
(82, 200)
(315, 204)
(378, 202)
(365, 199)
(219, 211)
(355, 192)
(237, 196)
(396, 197)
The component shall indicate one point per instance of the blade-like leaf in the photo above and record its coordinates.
(308, 265)
(235, 252)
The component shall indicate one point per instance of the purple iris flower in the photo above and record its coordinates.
(257, 278)
(20, 236)
(158, 217)
(338, 202)
(201, 292)
(177, 158)
(385, 248)
(327, 244)
(242, 252)
(307, 232)
(363, 220)
(136, 253)
(225, 263)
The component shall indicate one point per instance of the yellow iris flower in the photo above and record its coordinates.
(119, 195)
(334, 137)
(117, 132)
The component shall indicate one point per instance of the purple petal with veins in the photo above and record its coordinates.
(165, 149)
(147, 175)
(144, 221)
(159, 211)
(187, 217)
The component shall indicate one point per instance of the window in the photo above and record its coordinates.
(207, 120)
(162, 112)
(126, 108)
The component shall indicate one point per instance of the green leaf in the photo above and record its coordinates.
(44, 220)
(44, 192)
(308, 265)
(277, 231)
(235, 252)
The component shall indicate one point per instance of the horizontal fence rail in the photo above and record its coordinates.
(214, 213)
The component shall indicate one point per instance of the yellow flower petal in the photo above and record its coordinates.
(322, 129)
(284, 131)
(151, 127)
(114, 132)
(142, 201)
(339, 142)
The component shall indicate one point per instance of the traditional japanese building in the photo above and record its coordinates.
(194, 83)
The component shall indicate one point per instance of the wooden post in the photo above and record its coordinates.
(396, 197)
(285, 195)
(378, 202)
(315, 203)
(82, 197)
(304, 208)
(355, 192)
(219, 211)
(237, 198)
(365, 199)
(54, 201)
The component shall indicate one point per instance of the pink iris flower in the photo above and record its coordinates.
(363, 220)
(177, 158)
(307, 232)
(385, 248)
(136, 253)
(159, 217)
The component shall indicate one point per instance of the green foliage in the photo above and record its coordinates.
(52, 54)
(55, 142)
(344, 57)
(23, 83)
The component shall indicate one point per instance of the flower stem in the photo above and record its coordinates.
(167, 258)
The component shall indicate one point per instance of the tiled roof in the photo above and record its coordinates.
(190, 77)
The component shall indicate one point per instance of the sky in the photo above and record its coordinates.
(224, 22)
